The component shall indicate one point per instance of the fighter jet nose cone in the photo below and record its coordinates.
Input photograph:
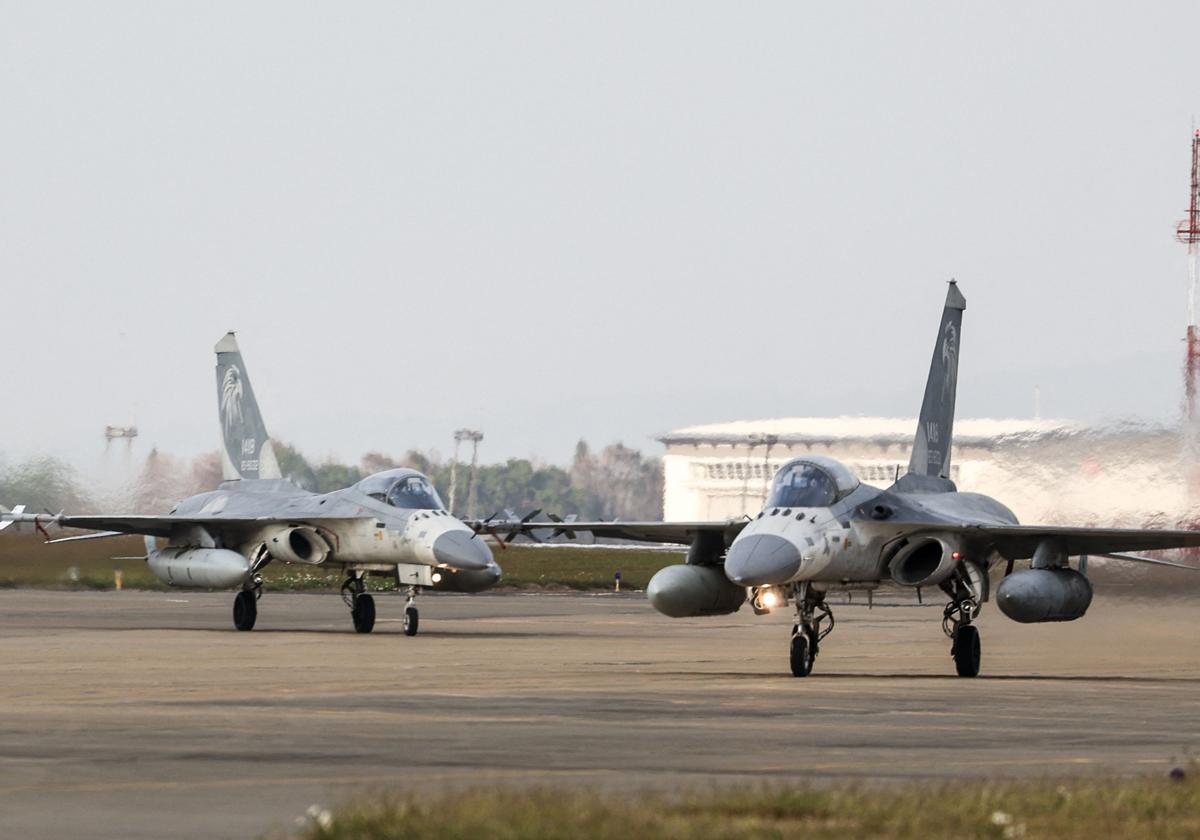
(761, 559)
(458, 550)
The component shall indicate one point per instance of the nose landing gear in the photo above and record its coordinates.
(362, 605)
(814, 621)
(411, 616)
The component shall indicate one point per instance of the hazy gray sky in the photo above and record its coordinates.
(555, 220)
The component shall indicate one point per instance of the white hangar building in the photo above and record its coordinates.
(1047, 471)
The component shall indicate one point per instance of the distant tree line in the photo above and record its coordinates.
(42, 483)
(616, 482)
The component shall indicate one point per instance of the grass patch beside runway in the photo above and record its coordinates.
(89, 564)
(1141, 808)
(577, 567)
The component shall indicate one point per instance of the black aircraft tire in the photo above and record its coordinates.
(363, 614)
(411, 619)
(802, 655)
(245, 610)
(967, 651)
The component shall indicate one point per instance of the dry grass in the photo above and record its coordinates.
(1141, 808)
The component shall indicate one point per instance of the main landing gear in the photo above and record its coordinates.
(814, 621)
(966, 590)
(245, 604)
(361, 604)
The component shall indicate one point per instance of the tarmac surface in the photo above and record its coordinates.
(142, 714)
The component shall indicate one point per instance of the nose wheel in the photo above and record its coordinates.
(804, 651)
(411, 616)
(814, 621)
(362, 605)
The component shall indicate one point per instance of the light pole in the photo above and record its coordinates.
(474, 437)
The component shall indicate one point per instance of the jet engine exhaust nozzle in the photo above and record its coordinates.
(924, 562)
(457, 550)
(762, 559)
(302, 544)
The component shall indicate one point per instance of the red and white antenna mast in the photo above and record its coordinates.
(1188, 232)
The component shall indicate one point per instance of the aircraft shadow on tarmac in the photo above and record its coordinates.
(1081, 678)
(333, 631)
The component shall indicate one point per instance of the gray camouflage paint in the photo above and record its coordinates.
(246, 451)
(852, 541)
(935, 427)
(254, 511)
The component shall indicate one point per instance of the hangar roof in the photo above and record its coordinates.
(882, 430)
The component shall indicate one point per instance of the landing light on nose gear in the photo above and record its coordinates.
(763, 599)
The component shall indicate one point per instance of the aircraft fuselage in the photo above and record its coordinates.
(342, 529)
(854, 539)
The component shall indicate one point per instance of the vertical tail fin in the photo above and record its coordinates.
(935, 428)
(246, 450)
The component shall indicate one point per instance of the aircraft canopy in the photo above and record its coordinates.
(406, 489)
(815, 481)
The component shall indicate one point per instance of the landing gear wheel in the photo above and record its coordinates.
(363, 613)
(804, 653)
(814, 621)
(245, 610)
(410, 621)
(966, 651)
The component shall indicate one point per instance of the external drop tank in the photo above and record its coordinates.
(1038, 595)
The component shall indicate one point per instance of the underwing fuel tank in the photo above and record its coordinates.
(1044, 595)
(218, 568)
(682, 591)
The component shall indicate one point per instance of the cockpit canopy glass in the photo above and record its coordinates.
(811, 483)
(402, 489)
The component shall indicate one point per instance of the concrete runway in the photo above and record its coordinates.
(139, 714)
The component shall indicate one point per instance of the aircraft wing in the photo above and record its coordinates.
(675, 533)
(1018, 542)
(162, 526)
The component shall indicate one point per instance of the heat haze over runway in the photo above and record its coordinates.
(137, 714)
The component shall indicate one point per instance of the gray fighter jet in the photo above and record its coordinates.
(391, 523)
(822, 530)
